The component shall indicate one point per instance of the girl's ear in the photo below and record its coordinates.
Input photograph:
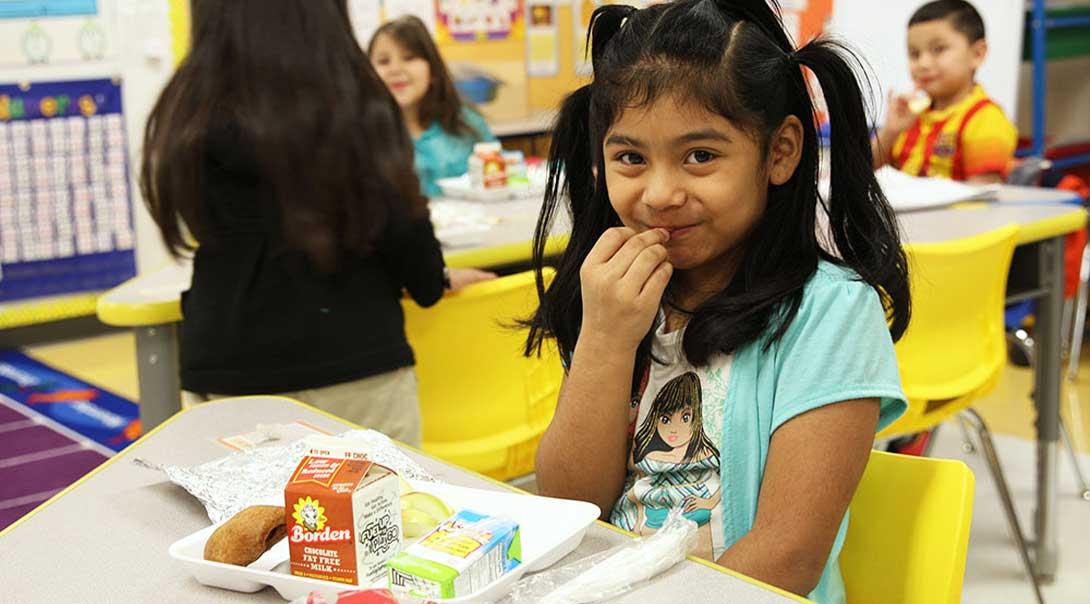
(785, 150)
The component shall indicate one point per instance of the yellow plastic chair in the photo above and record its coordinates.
(954, 350)
(484, 405)
(955, 347)
(908, 531)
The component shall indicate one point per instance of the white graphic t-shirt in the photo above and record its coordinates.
(676, 430)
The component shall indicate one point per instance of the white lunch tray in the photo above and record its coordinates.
(551, 529)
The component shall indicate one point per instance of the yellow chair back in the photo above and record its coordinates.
(955, 348)
(484, 405)
(908, 532)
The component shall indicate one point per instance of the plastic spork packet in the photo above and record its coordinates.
(613, 572)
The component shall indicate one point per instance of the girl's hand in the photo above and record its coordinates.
(899, 117)
(460, 278)
(623, 278)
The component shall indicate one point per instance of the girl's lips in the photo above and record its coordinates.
(672, 438)
(678, 232)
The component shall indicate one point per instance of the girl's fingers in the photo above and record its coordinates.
(607, 245)
(643, 266)
(621, 261)
(656, 283)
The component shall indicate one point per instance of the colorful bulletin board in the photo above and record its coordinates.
(65, 220)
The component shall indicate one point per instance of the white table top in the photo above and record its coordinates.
(106, 539)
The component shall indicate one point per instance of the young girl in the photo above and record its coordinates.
(263, 148)
(444, 129)
(691, 166)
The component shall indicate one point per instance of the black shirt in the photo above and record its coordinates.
(259, 319)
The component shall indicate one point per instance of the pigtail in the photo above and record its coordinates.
(572, 179)
(861, 221)
(569, 177)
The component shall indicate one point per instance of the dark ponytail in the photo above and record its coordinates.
(734, 59)
(570, 176)
(862, 223)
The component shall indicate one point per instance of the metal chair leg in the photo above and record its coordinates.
(988, 448)
(1084, 490)
(967, 445)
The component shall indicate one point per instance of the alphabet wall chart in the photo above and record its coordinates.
(65, 219)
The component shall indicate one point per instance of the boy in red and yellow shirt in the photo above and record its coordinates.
(961, 134)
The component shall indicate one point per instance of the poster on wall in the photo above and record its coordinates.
(65, 214)
(475, 20)
(52, 32)
(542, 41)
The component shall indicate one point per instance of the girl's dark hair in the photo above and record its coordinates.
(682, 392)
(441, 102)
(287, 83)
(734, 59)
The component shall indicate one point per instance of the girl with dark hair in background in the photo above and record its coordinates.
(278, 149)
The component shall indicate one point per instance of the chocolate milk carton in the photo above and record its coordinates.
(343, 514)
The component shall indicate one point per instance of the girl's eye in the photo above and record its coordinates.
(664, 420)
(629, 158)
(687, 418)
(699, 156)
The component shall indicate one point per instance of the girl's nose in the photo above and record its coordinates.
(662, 191)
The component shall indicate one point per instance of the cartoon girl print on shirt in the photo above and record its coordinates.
(677, 464)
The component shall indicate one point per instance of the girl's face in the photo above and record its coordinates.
(406, 75)
(676, 429)
(680, 167)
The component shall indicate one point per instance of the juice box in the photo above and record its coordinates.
(343, 514)
(461, 556)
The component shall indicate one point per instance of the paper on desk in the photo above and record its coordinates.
(460, 222)
(230, 484)
(906, 193)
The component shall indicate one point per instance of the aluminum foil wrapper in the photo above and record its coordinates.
(230, 484)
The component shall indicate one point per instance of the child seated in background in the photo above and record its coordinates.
(962, 134)
(444, 129)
